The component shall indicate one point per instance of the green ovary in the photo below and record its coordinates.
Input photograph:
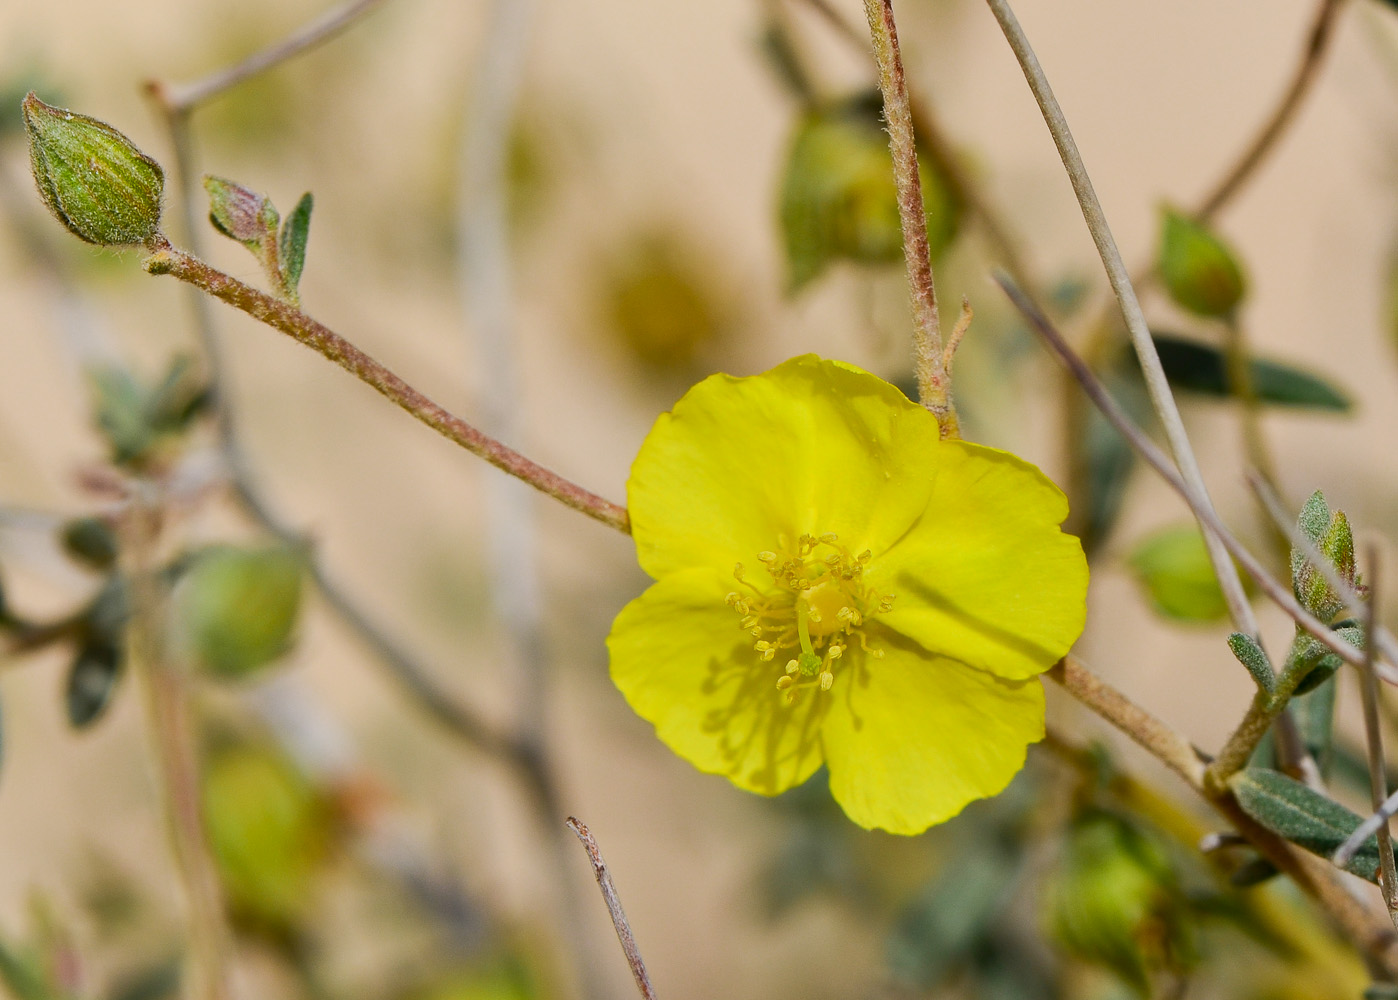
(816, 606)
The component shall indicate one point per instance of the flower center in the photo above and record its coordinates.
(815, 607)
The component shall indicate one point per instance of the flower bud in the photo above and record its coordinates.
(1114, 901)
(92, 178)
(1199, 270)
(235, 609)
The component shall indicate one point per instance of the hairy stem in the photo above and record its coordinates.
(613, 901)
(934, 387)
(165, 259)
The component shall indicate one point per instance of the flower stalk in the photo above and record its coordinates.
(166, 259)
(929, 359)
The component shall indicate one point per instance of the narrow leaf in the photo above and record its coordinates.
(92, 681)
(291, 245)
(1252, 656)
(1174, 567)
(1193, 366)
(1303, 816)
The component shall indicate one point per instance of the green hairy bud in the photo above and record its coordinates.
(92, 178)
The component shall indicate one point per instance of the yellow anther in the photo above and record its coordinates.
(748, 622)
(784, 682)
(836, 652)
(833, 559)
(792, 666)
(830, 538)
(864, 557)
(766, 556)
(755, 633)
(732, 598)
(826, 679)
(738, 571)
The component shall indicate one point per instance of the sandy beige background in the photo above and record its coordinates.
(659, 111)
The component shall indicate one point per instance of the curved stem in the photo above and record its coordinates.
(165, 259)
(1302, 79)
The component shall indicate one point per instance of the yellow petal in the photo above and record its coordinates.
(682, 663)
(911, 739)
(986, 576)
(744, 465)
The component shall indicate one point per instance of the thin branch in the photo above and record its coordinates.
(613, 901)
(185, 96)
(1304, 76)
(1373, 743)
(934, 388)
(933, 138)
(1154, 374)
(1155, 736)
(165, 259)
(1311, 875)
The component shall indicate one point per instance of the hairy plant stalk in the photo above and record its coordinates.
(165, 259)
(934, 387)
(934, 140)
(1373, 742)
(1151, 734)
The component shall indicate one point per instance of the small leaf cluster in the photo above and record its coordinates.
(251, 219)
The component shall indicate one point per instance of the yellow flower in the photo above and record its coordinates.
(834, 583)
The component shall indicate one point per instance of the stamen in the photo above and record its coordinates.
(826, 679)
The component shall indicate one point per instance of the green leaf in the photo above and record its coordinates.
(1199, 270)
(1315, 717)
(1303, 816)
(1252, 656)
(92, 680)
(1198, 367)
(291, 246)
(1173, 565)
(90, 541)
(240, 213)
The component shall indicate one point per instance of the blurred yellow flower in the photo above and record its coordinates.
(834, 583)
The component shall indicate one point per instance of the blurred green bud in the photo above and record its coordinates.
(90, 541)
(1174, 566)
(1332, 535)
(1199, 270)
(839, 199)
(1114, 900)
(269, 831)
(92, 178)
(239, 213)
(235, 609)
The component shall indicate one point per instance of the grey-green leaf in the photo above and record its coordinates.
(1303, 816)
(1193, 366)
(292, 245)
(1252, 656)
(92, 680)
